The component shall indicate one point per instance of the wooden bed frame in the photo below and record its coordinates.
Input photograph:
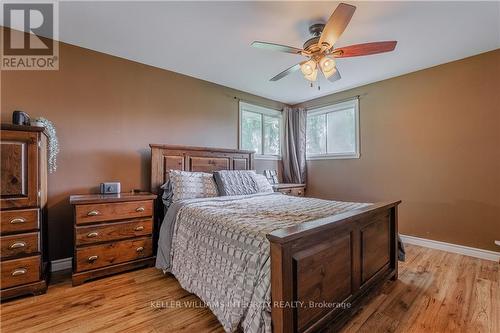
(321, 271)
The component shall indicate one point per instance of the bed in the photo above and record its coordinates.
(316, 260)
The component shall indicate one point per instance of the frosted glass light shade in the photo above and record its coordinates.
(308, 67)
(312, 77)
(327, 66)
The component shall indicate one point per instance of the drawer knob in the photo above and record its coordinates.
(140, 249)
(140, 209)
(92, 234)
(92, 259)
(139, 228)
(19, 271)
(93, 213)
(18, 220)
(17, 245)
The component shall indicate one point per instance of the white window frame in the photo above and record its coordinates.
(334, 108)
(244, 106)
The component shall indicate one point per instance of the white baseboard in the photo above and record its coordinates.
(61, 264)
(454, 248)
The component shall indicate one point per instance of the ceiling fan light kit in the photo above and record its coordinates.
(319, 49)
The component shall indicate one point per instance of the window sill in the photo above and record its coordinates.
(267, 157)
(332, 157)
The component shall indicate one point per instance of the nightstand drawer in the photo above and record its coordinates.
(298, 192)
(19, 271)
(91, 213)
(19, 220)
(19, 244)
(113, 231)
(107, 254)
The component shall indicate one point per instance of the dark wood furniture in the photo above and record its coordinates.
(297, 190)
(334, 260)
(24, 262)
(113, 233)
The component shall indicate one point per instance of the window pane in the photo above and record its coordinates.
(341, 132)
(271, 135)
(251, 131)
(316, 134)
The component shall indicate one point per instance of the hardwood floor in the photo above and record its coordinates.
(436, 292)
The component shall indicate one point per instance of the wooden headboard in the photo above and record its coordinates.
(170, 157)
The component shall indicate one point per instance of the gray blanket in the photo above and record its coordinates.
(217, 249)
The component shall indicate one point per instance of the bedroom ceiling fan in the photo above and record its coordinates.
(319, 49)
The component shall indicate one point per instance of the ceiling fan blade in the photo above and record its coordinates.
(277, 47)
(364, 49)
(286, 72)
(335, 76)
(336, 24)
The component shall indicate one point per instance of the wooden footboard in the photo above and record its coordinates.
(322, 270)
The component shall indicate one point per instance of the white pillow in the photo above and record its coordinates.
(190, 185)
(263, 185)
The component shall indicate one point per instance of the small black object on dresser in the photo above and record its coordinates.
(20, 118)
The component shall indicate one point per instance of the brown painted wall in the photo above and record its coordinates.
(107, 110)
(432, 139)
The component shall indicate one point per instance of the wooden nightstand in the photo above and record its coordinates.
(112, 233)
(297, 190)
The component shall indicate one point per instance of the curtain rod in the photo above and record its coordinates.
(257, 104)
(333, 102)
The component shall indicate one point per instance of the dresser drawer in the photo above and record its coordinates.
(113, 231)
(19, 271)
(97, 256)
(91, 213)
(19, 220)
(19, 244)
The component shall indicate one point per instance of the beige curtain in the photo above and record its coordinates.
(294, 145)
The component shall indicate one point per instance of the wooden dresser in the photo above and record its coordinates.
(113, 233)
(24, 262)
(297, 190)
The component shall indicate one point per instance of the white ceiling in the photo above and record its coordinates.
(211, 40)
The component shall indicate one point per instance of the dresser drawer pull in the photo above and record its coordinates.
(18, 220)
(92, 234)
(93, 213)
(17, 245)
(139, 228)
(140, 209)
(19, 271)
(92, 259)
(140, 249)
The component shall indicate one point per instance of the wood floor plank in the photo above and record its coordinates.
(436, 292)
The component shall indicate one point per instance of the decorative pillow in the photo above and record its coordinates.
(263, 185)
(190, 185)
(236, 182)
